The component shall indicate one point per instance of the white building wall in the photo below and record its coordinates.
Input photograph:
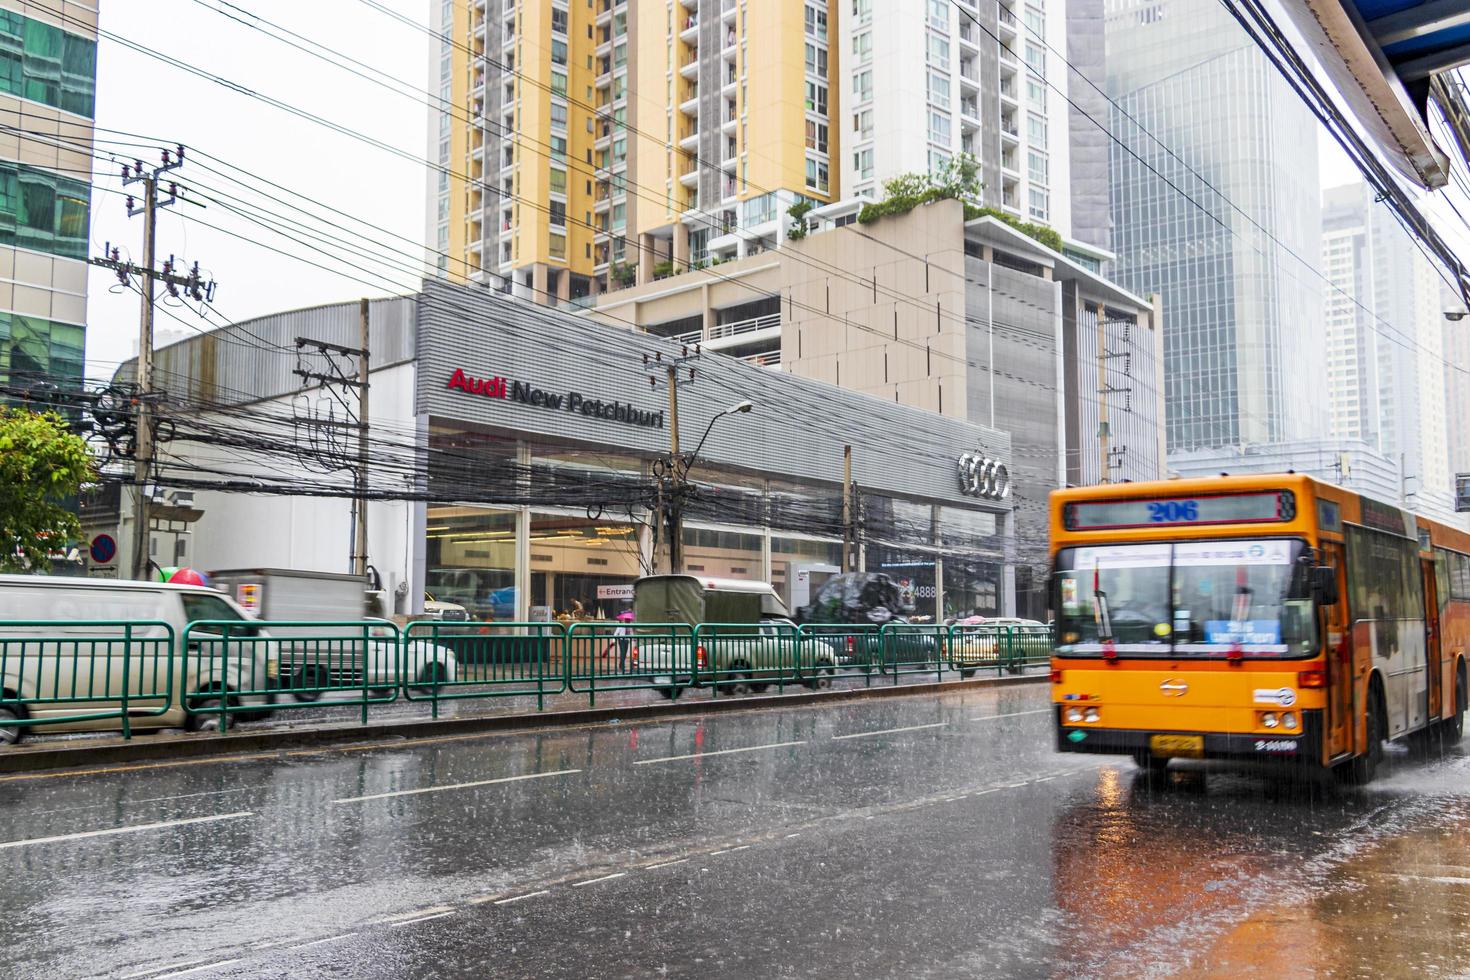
(306, 533)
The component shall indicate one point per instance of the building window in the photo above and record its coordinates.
(558, 52)
(557, 210)
(1038, 203)
(862, 11)
(46, 64)
(558, 115)
(938, 89)
(939, 14)
(32, 346)
(558, 20)
(817, 177)
(43, 211)
(862, 85)
(816, 60)
(1035, 21)
(1036, 58)
(558, 181)
(1035, 92)
(816, 97)
(939, 128)
(558, 83)
(558, 147)
(1036, 130)
(816, 136)
(816, 22)
(862, 163)
(862, 123)
(557, 246)
(937, 49)
(1036, 167)
(937, 160)
(619, 217)
(862, 47)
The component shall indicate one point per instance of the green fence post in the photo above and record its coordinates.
(127, 723)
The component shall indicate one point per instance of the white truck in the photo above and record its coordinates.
(326, 611)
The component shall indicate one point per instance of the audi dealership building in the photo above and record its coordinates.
(512, 460)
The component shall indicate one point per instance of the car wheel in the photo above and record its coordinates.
(307, 683)
(670, 692)
(206, 718)
(967, 672)
(11, 734)
(820, 679)
(759, 688)
(433, 676)
(739, 683)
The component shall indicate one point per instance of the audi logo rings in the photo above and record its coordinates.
(981, 476)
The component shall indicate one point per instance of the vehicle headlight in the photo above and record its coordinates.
(1288, 720)
(1269, 719)
(1090, 715)
(1074, 715)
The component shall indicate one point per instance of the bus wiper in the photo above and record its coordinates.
(1100, 615)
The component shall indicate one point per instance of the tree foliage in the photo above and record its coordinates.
(958, 180)
(42, 466)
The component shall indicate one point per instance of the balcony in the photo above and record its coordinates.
(739, 327)
(690, 30)
(770, 358)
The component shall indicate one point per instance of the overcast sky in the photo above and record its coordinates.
(139, 94)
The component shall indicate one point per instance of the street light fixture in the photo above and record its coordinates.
(681, 467)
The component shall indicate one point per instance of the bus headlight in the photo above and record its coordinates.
(1090, 715)
(1288, 721)
(1269, 719)
(1074, 715)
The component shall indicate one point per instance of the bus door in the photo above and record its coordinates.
(1338, 653)
(1431, 639)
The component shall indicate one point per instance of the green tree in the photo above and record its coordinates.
(42, 466)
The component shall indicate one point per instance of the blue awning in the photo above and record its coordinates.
(1420, 38)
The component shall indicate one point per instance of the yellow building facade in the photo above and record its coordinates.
(589, 145)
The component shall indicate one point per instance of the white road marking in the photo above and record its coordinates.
(701, 755)
(133, 829)
(1013, 714)
(652, 867)
(718, 853)
(789, 836)
(507, 901)
(157, 969)
(891, 731)
(441, 789)
(593, 881)
(415, 914)
(323, 942)
(424, 918)
(196, 969)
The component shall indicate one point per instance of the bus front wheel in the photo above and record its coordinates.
(1362, 769)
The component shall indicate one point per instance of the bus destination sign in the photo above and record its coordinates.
(1234, 508)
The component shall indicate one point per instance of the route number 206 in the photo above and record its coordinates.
(1166, 511)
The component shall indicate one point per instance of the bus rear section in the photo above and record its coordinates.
(1205, 647)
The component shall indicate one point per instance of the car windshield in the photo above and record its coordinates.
(1195, 598)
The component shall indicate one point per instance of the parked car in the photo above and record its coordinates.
(60, 666)
(445, 612)
(751, 642)
(991, 641)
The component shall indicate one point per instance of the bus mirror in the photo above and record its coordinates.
(1324, 584)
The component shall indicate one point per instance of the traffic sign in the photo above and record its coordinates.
(103, 549)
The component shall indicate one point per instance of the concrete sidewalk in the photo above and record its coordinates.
(294, 728)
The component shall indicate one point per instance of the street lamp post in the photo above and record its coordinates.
(681, 465)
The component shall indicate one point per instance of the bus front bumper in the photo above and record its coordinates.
(1304, 746)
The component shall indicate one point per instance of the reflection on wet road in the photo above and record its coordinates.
(926, 836)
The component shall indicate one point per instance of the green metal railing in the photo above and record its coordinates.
(630, 656)
(490, 660)
(221, 671)
(78, 671)
(298, 664)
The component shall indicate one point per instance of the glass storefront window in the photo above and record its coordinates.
(582, 569)
(913, 571)
(471, 560)
(799, 566)
(463, 464)
(723, 553)
(972, 586)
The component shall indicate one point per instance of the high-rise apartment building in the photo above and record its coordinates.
(1216, 206)
(48, 76)
(591, 145)
(1386, 345)
(922, 82)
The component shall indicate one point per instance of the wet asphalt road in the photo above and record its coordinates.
(925, 836)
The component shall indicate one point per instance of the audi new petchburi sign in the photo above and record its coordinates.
(983, 477)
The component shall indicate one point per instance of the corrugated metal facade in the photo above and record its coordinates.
(797, 430)
(254, 359)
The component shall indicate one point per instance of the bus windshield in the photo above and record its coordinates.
(1191, 598)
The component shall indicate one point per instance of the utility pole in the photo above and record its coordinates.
(338, 380)
(671, 507)
(194, 287)
(847, 508)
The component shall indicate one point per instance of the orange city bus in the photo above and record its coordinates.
(1251, 617)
